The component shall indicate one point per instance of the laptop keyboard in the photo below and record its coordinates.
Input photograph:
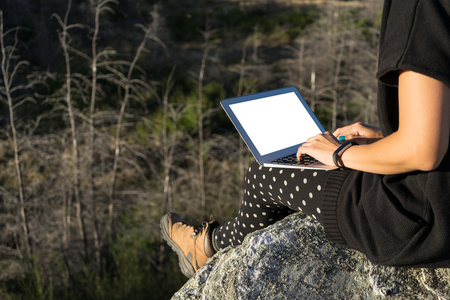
(292, 160)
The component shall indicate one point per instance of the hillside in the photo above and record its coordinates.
(110, 117)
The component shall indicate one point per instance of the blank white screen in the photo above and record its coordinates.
(275, 122)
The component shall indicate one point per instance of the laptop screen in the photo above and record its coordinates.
(276, 122)
(272, 122)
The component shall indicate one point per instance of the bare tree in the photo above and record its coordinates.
(9, 68)
(100, 6)
(200, 112)
(168, 142)
(128, 83)
(64, 39)
(245, 70)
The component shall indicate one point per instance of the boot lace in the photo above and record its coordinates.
(197, 230)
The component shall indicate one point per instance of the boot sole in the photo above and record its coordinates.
(185, 265)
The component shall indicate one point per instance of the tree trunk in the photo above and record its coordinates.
(8, 78)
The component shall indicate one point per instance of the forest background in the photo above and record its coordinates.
(110, 118)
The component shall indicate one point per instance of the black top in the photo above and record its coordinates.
(400, 220)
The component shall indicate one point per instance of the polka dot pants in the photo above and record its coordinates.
(270, 195)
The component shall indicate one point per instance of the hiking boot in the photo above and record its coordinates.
(193, 244)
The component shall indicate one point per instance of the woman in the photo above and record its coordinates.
(390, 199)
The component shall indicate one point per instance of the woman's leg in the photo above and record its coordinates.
(270, 195)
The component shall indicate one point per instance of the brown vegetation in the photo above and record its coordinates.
(121, 123)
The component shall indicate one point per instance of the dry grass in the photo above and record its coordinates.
(355, 3)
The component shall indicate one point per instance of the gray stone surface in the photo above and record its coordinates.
(292, 260)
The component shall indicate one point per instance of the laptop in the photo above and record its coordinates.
(274, 124)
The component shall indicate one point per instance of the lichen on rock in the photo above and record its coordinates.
(292, 260)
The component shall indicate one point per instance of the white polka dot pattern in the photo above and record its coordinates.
(270, 195)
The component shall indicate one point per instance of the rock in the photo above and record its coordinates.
(292, 260)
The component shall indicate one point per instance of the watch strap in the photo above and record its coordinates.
(339, 151)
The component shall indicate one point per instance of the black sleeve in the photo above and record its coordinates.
(415, 35)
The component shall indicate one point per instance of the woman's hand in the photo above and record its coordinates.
(321, 147)
(419, 144)
(360, 132)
